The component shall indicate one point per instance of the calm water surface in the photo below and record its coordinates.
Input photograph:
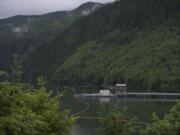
(141, 109)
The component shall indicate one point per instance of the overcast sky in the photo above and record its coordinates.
(28, 7)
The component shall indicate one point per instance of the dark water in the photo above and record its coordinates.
(141, 109)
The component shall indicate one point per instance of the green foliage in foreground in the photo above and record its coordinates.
(113, 126)
(28, 111)
(169, 125)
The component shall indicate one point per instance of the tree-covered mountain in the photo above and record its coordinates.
(132, 41)
(22, 34)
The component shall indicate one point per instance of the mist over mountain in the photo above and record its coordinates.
(22, 34)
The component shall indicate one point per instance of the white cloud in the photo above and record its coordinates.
(87, 12)
(27, 7)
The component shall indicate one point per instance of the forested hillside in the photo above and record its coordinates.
(92, 47)
(132, 41)
(22, 34)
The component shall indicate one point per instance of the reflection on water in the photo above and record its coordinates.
(139, 108)
(85, 127)
(104, 100)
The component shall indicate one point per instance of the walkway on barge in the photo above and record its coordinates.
(135, 94)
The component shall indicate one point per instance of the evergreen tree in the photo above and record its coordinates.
(41, 82)
(16, 70)
(26, 111)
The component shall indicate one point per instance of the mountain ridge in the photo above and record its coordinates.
(22, 33)
(87, 5)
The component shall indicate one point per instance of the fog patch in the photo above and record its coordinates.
(89, 11)
(19, 31)
(86, 12)
(96, 6)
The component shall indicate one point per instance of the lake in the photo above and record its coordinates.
(139, 108)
